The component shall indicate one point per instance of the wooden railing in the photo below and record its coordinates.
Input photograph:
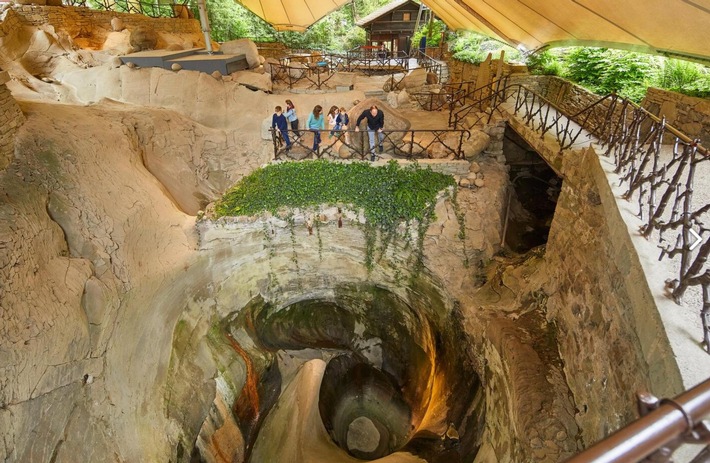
(663, 183)
(174, 9)
(405, 144)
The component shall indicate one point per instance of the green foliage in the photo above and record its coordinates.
(685, 77)
(471, 47)
(388, 195)
(229, 20)
(432, 31)
(544, 63)
(629, 74)
(605, 71)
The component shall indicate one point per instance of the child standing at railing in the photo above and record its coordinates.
(332, 118)
(341, 123)
(278, 122)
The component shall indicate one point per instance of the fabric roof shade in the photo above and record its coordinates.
(679, 28)
(292, 15)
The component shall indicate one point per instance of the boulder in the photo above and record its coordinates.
(392, 99)
(475, 145)
(394, 120)
(117, 24)
(297, 70)
(143, 38)
(266, 129)
(253, 80)
(271, 65)
(242, 47)
(118, 43)
(415, 79)
(403, 98)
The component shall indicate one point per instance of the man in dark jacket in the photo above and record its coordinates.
(375, 123)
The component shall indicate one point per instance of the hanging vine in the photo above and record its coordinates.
(387, 196)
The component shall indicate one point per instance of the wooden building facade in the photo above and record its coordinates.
(393, 25)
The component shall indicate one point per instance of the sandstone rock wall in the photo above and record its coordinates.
(272, 49)
(91, 27)
(11, 119)
(11, 23)
(599, 300)
(688, 114)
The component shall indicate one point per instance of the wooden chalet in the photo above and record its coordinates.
(392, 26)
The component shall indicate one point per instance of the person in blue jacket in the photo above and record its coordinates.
(278, 122)
(316, 123)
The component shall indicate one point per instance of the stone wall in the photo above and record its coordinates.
(11, 23)
(607, 320)
(11, 119)
(272, 49)
(688, 114)
(91, 26)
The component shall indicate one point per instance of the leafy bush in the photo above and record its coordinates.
(685, 77)
(470, 47)
(388, 195)
(544, 63)
(433, 39)
(605, 71)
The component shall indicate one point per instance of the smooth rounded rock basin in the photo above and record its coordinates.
(394, 377)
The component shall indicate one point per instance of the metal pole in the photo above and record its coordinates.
(202, 7)
(671, 420)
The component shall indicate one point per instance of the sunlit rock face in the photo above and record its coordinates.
(354, 371)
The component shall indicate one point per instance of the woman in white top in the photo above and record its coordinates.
(332, 120)
(291, 115)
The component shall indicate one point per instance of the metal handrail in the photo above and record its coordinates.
(664, 426)
(407, 144)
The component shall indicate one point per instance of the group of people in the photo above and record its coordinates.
(338, 121)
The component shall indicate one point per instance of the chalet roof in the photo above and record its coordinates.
(383, 11)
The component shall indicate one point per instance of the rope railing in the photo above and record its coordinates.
(663, 183)
(349, 144)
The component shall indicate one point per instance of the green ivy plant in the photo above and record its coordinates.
(387, 195)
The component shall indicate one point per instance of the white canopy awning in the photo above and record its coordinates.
(292, 15)
(678, 28)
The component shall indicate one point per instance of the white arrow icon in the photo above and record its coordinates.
(698, 241)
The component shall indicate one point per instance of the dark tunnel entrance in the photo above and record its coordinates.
(532, 197)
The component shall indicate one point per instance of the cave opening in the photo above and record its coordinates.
(532, 199)
(393, 377)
